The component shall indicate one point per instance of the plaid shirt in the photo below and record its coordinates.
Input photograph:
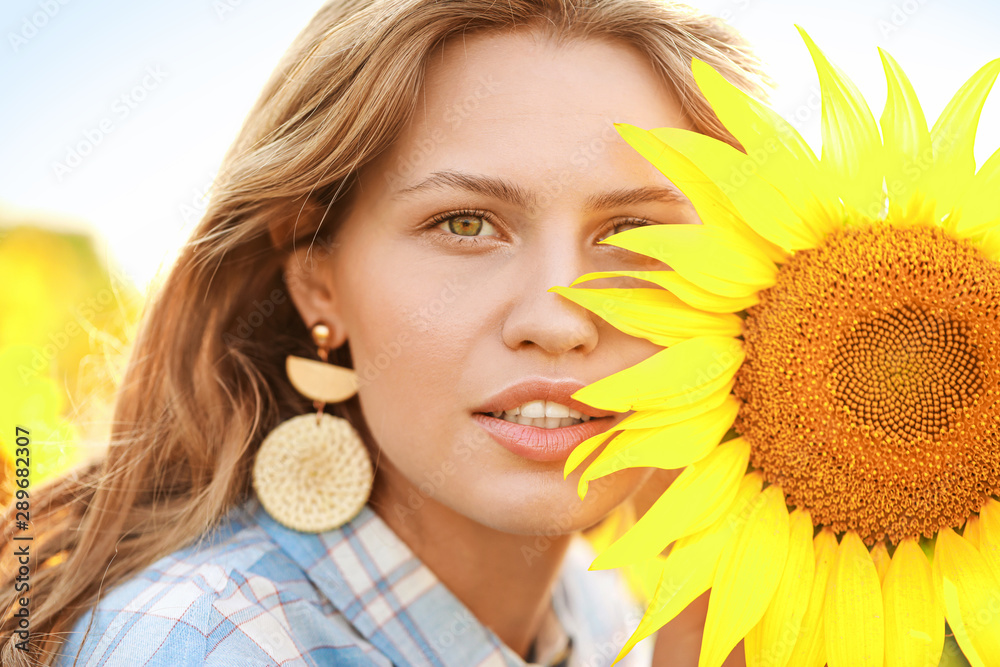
(253, 592)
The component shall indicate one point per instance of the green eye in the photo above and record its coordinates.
(465, 225)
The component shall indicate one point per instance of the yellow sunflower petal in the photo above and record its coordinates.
(747, 577)
(770, 642)
(780, 154)
(978, 211)
(585, 449)
(852, 616)
(667, 447)
(880, 556)
(653, 314)
(690, 567)
(904, 130)
(762, 206)
(971, 594)
(914, 620)
(712, 205)
(989, 534)
(651, 418)
(852, 147)
(683, 289)
(810, 648)
(688, 372)
(698, 497)
(708, 200)
(697, 393)
(990, 244)
(681, 581)
(712, 258)
(954, 137)
(973, 531)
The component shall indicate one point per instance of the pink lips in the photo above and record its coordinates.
(541, 444)
(532, 442)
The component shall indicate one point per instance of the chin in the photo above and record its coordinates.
(546, 504)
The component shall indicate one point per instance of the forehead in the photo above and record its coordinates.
(527, 77)
(523, 104)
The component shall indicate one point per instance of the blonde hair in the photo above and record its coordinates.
(206, 381)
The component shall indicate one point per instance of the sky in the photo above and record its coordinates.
(115, 114)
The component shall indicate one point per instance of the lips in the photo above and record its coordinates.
(541, 444)
(532, 442)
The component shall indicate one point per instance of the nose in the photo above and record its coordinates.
(542, 319)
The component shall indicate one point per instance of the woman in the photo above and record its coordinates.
(414, 177)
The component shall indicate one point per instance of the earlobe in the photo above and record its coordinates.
(309, 282)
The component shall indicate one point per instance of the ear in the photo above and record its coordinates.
(309, 279)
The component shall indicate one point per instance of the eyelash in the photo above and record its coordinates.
(478, 213)
(638, 222)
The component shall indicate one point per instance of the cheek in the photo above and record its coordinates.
(410, 339)
(401, 369)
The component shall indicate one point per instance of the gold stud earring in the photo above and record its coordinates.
(312, 473)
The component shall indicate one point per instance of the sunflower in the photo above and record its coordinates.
(839, 318)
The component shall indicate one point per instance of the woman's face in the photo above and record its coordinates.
(501, 187)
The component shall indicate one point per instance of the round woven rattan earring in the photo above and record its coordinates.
(312, 473)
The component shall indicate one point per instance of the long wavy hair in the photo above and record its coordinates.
(205, 381)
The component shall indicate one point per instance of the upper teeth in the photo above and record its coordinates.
(540, 410)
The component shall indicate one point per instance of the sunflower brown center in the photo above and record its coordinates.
(871, 390)
(907, 372)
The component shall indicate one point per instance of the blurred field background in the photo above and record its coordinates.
(68, 318)
(115, 116)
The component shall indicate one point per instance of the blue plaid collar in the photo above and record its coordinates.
(390, 597)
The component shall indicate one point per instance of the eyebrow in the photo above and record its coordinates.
(504, 190)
